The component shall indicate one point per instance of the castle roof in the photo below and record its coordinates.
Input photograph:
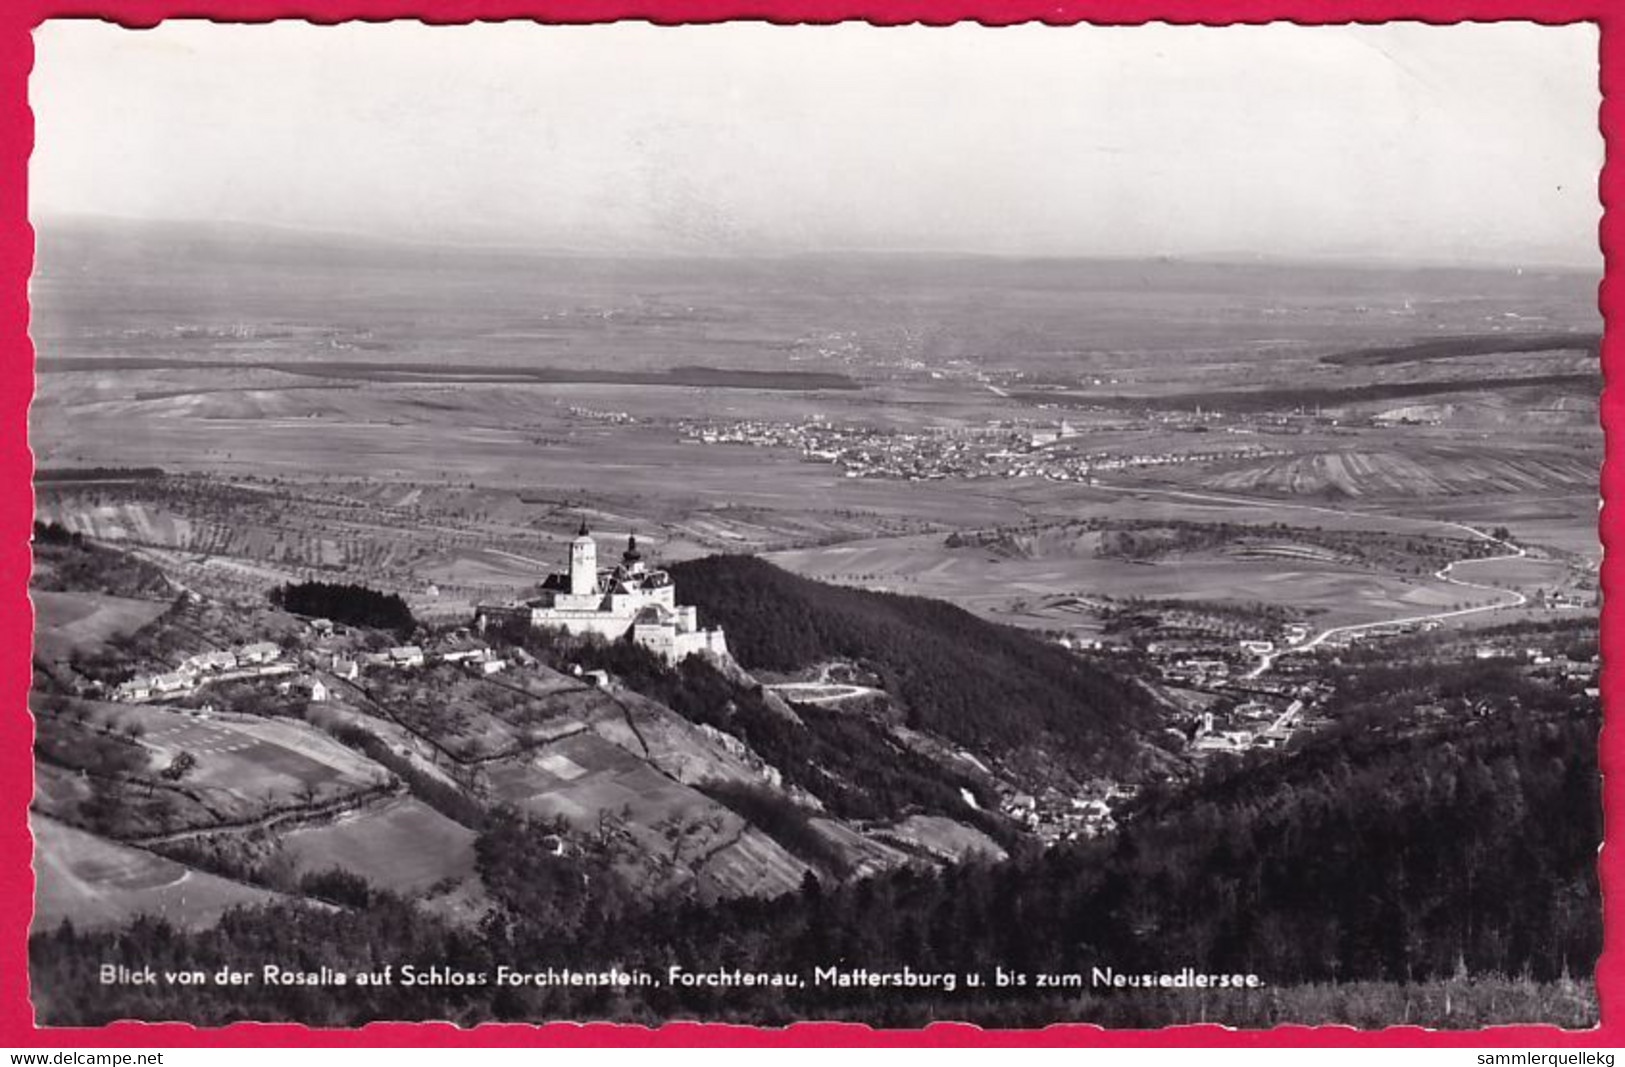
(653, 613)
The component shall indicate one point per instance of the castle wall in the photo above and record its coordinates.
(605, 625)
(674, 645)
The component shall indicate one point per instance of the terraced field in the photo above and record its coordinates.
(1357, 474)
(673, 835)
(476, 718)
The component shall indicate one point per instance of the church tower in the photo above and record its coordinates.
(632, 559)
(583, 563)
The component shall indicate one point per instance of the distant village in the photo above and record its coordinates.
(998, 450)
(1260, 710)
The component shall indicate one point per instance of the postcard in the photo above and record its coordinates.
(753, 523)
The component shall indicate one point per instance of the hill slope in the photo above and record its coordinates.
(991, 688)
(1346, 876)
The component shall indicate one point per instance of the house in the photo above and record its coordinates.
(138, 688)
(205, 662)
(406, 656)
(1215, 667)
(596, 679)
(348, 669)
(174, 682)
(259, 652)
(492, 665)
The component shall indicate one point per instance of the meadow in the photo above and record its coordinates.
(66, 623)
(95, 883)
(1013, 590)
(402, 846)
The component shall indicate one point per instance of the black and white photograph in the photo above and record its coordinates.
(754, 523)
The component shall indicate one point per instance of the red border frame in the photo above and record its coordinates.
(19, 17)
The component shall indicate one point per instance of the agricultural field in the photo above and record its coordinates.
(670, 834)
(477, 718)
(241, 769)
(1427, 472)
(445, 548)
(1006, 590)
(400, 845)
(1561, 525)
(65, 623)
(1525, 575)
(95, 883)
(942, 838)
(689, 754)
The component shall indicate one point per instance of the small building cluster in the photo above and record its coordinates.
(256, 660)
(1053, 816)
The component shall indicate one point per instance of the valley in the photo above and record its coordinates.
(1016, 561)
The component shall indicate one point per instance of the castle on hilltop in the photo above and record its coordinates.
(610, 602)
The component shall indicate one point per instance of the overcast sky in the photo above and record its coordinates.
(1459, 143)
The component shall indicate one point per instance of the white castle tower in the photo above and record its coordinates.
(583, 563)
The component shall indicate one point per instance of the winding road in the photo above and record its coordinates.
(1509, 598)
(819, 692)
(1506, 598)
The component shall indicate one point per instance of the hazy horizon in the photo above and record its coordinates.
(1400, 145)
(49, 226)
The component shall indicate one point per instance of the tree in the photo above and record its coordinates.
(180, 766)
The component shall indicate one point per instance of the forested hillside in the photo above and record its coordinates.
(1406, 858)
(989, 687)
(851, 762)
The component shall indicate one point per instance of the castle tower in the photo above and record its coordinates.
(632, 559)
(583, 563)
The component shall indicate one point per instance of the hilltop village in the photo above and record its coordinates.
(630, 599)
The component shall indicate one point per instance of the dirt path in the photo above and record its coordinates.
(303, 814)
